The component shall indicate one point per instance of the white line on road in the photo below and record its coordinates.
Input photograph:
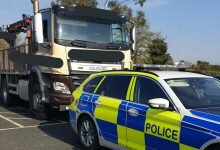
(25, 127)
(20, 118)
(14, 113)
(9, 120)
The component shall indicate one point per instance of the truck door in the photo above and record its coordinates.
(149, 128)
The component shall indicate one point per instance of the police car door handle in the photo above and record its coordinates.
(133, 112)
(98, 103)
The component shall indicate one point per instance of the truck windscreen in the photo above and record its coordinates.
(91, 30)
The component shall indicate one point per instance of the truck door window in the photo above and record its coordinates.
(146, 89)
(45, 30)
(119, 34)
(116, 34)
(46, 16)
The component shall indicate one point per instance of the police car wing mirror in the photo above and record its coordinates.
(159, 103)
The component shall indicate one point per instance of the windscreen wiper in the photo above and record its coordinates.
(76, 40)
(113, 46)
(76, 43)
(79, 43)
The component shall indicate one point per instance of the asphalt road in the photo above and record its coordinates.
(19, 130)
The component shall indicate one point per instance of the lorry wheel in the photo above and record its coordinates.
(6, 96)
(41, 109)
(88, 134)
(0, 91)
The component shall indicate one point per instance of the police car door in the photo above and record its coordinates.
(110, 111)
(149, 128)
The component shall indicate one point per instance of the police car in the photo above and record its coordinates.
(148, 110)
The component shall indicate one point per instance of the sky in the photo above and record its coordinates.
(191, 27)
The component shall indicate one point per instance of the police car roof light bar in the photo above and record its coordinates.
(160, 67)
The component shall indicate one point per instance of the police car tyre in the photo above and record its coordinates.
(41, 110)
(88, 134)
(214, 147)
(7, 98)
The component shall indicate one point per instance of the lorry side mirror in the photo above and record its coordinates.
(38, 28)
(133, 37)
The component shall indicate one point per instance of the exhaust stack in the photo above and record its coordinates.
(35, 6)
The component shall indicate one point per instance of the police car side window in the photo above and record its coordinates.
(92, 84)
(115, 86)
(118, 87)
(103, 88)
(146, 89)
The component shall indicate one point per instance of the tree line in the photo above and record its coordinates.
(206, 68)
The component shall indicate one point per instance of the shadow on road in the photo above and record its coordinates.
(57, 128)
(21, 108)
(64, 133)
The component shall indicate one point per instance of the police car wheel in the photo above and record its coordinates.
(88, 133)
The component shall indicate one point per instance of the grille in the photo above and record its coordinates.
(78, 79)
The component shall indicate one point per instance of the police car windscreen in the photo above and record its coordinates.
(196, 92)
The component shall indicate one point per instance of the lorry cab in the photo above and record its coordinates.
(87, 40)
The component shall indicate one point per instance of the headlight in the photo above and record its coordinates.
(61, 87)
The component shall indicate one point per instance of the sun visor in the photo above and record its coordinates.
(88, 12)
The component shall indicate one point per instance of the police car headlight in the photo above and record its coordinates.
(61, 87)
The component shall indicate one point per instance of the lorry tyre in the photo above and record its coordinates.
(87, 133)
(41, 109)
(7, 98)
(0, 91)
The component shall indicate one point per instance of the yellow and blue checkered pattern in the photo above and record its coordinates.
(117, 126)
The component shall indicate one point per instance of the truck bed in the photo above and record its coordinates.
(9, 67)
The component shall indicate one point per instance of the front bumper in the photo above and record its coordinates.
(58, 99)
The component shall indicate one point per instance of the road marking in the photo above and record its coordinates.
(26, 127)
(14, 108)
(15, 113)
(14, 123)
(20, 118)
